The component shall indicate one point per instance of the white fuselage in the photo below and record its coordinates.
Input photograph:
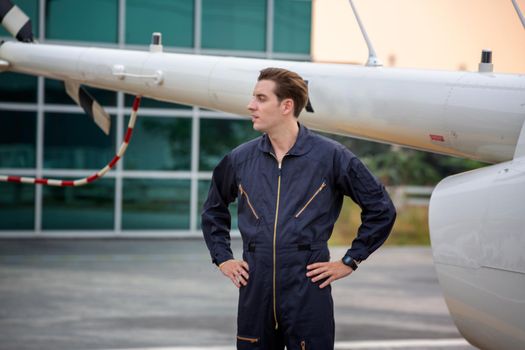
(477, 227)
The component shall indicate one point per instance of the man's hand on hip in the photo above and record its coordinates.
(332, 270)
(236, 270)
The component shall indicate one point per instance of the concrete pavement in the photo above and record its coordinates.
(138, 294)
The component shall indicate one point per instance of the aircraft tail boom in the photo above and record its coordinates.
(466, 114)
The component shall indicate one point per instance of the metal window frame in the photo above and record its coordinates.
(120, 110)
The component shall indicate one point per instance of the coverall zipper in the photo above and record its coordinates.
(275, 241)
(243, 192)
(323, 185)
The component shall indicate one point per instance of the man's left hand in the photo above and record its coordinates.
(332, 270)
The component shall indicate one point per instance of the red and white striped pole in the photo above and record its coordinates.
(89, 179)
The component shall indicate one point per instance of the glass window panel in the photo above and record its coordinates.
(55, 92)
(16, 87)
(106, 98)
(74, 141)
(173, 18)
(89, 207)
(155, 204)
(30, 8)
(151, 103)
(95, 20)
(17, 139)
(218, 137)
(17, 203)
(292, 26)
(159, 143)
(204, 186)
(234, 25)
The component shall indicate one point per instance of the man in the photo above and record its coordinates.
(290, 184)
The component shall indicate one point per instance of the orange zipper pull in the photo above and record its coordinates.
(250, 340)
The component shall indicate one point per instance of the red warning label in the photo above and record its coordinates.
(439, 138)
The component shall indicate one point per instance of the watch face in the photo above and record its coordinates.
(347, 260)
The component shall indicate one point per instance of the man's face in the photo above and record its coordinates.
(265, 109)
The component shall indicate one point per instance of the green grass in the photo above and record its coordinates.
(410, 228)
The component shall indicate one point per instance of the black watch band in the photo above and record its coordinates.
(349, 261)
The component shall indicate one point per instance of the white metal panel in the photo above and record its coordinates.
(503, 234)
(487, 305)
(476, 219)
(390, 105)
(457, 210)
(485, 113)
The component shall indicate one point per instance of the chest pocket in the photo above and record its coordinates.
(246, 198)
(312, 199)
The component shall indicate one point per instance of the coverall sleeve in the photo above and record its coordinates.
(377, 210)
(216, 218)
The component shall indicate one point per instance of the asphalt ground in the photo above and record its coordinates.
(152, 294)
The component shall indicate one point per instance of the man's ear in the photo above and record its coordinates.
(287, 106)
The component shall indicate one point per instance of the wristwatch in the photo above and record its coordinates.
(349, 261)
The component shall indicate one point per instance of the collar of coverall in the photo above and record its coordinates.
(301, 146)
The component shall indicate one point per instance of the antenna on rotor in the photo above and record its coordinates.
(518, 11)
(372, 61)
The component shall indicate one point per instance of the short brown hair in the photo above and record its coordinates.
(288, 84)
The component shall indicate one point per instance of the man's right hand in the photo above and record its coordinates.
(236, 270)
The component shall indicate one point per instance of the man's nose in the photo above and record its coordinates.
(251, 105)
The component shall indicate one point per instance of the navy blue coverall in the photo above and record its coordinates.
(286, 213)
